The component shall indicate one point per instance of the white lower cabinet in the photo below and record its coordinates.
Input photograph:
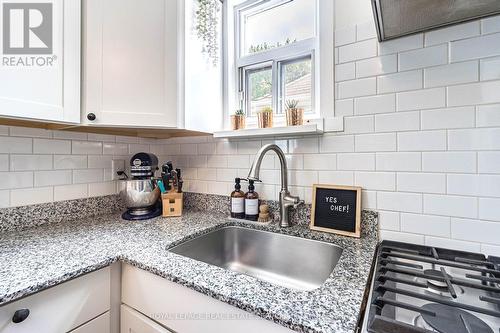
(132, 321)
(96, 325)
(184, 310)
(61, 308)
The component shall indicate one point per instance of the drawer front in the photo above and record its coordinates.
(132, 321)
(60, 308)
(100, 324)
(184, 310)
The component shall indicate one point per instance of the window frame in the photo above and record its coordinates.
(324, 66)
(275, 56)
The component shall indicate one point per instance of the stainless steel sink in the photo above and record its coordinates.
(288, 261)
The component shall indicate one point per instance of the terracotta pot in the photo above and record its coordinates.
(265, 119)
(294, 117)
(237, 122)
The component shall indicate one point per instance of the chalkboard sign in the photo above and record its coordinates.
(336, 209)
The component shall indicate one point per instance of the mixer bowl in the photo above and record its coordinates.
(139, 193)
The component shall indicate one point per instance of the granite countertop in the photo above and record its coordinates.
(46, 255)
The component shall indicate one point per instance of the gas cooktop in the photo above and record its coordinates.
(421, 289)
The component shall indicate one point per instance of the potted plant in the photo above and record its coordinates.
(238, 120)
(294, 115)
(265, 117)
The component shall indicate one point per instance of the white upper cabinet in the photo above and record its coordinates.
(130, 72)
(40, 67)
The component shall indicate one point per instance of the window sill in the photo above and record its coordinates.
(312, 128)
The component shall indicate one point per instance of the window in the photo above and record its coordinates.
(276, 44)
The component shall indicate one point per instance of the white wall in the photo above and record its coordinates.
(352, 12)
(39, 166)
(422, 137)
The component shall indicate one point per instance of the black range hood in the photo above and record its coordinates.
(396, 18)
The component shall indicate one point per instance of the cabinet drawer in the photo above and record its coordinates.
(132, 321)
(184, 310)
(100, 324)
(61, 308)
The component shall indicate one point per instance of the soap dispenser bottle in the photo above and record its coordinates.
(237, 201)
(251, 203)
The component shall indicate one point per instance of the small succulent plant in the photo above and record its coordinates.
(291, 104)
(239, 113)
(267, 109)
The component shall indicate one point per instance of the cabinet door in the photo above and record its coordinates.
(134, 322)
(130, 62)
(40, 67)
(100, 324)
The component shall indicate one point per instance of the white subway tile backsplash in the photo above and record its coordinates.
(357, 51)
(475, 48)
(344, 72)
(375, 104)
(474, 139)
(336, 177)
(4, 163)
(302, 178)
(366, 31)
(30, 132)
(70, 192)
(398, 82)
(400, 202)
(216, 161)
(359, 124)
(51, 178)
(368, 199)
(452, 244)
(490, 69)
(475, 93)
(452, 33)
(336, 144)
(489, 209)
(357, 88)
(31, 196)
(399, 121)
(458, 73)
(490, 24)
(422, 141)
(488, 115)
(88, 176)
(68, 135)
(381, 181)
(449, 162)
(30, 162)
(13, 180)
(100, 189)
(421, 99)
(344, 107)
(489, 249)
(462, 117)
(425, 224)
(474, 185)
(389, 220)
(345, 36)
(85, 147)
(114, 148)
(421, 58)
(475, 230)
(377, 66)
(70, 162)
(448, 205)
(375, 142)
(10, 145)
(300, 146)
(421, 182)
(401, 44)
(320, 162)
(402, 237)
(363, 161)
(399, 161)
(488, 162)
(47, 146)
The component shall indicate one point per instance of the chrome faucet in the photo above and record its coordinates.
(286, 199)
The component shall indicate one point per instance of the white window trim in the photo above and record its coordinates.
(323, 56)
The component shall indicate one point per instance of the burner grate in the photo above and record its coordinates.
(400, 263)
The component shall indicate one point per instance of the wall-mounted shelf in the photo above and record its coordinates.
(308, 129)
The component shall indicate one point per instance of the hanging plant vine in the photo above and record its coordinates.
(207, 22)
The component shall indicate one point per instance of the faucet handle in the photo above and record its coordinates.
(296, 205)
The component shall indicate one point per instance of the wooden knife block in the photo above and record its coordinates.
(172, 204)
